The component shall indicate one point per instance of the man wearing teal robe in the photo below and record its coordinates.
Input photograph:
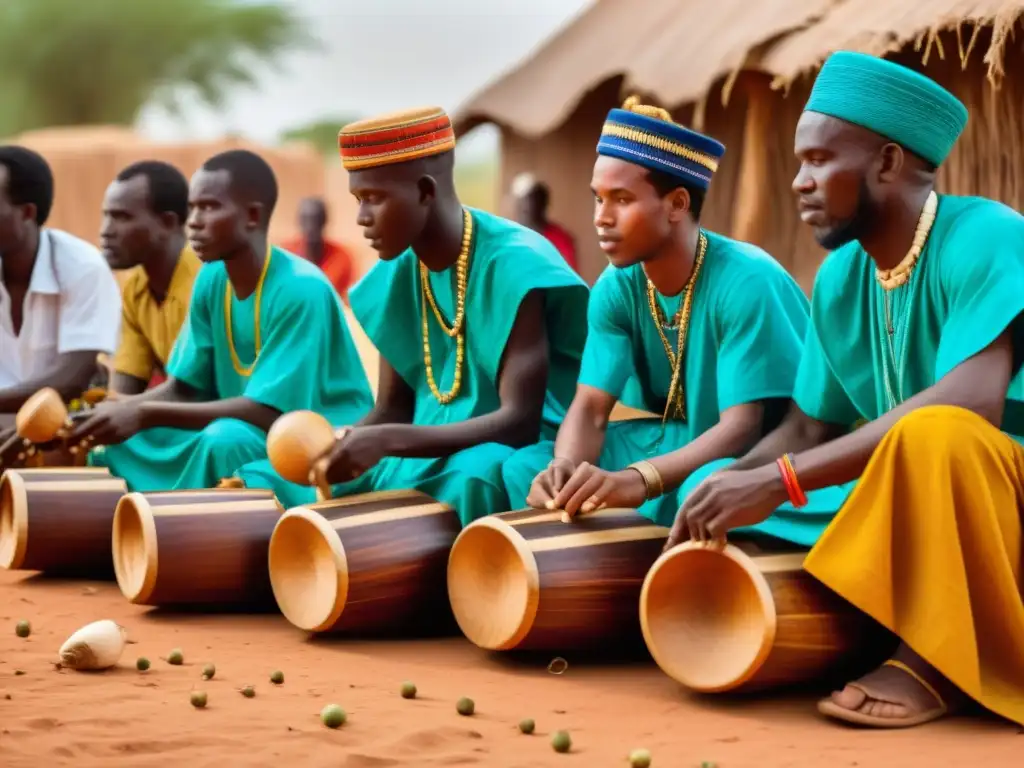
(917, 328)
(731, 312)
(479, 322)
(264, 334)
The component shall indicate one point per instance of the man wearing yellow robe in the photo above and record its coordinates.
(143, 230)
(917, 328)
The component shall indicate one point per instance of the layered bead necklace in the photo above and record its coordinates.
(457, 329)
(898, 290)
(676, 403)
(240, 369)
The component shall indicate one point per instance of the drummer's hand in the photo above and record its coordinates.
(549, 482)
(360, 449)
(728, 500)
(592, 488)
(109, 423)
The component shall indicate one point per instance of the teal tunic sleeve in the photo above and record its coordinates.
(302, 351)
(608, 353)
(981, 271)
(192, 356)
(818, 391)
(512, 262)
(386, 302)
(761, 325)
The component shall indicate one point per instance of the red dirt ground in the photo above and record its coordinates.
(126, 718)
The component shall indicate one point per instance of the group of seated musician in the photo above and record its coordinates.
(878, 425)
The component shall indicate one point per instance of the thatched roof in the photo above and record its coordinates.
(885, 26)
(675, 50)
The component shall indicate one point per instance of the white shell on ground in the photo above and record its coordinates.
(95, 646)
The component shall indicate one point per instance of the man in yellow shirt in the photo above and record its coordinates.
(144, 213)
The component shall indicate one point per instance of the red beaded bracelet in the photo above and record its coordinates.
(796, 495)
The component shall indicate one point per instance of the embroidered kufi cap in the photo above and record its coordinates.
(647, 136)
(891, 100)
(396, 137)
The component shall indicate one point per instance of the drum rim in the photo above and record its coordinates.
(765, 598)
(141, 506)
(337, 547)
(257, 494)
(27, 472)
(13, 480)
(531, 569)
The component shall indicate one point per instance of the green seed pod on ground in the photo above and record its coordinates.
(408, 690)
(561, 741)
(277, 677)
(248, 691)
(209, 671)
(333, 716)
(465, 706)
(142, 663)
(23, 629)
(527, 726)
(198, 699)
(176, 657)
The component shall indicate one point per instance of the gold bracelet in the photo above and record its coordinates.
(652, 478)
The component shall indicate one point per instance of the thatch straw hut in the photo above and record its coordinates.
(742, 71)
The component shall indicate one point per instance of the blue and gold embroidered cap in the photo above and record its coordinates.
(647, 136)
(891, 100)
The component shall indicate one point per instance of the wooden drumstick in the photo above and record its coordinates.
(8, 446)
(318, 473)
(318, 479)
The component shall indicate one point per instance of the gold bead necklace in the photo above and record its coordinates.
(893, 343)
(676, 403)
(457, 329)
(228, 292)
(898, 275)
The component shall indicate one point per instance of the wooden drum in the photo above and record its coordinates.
(368, 563)
(526, 580)
(742, 618)
(195, 548)
(58, 520)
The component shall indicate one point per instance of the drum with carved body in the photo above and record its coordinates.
(526, 580)
(58, 520)
(364, 564)
(742, 618)
(195, 548)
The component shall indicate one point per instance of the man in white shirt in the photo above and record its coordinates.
(60, 305)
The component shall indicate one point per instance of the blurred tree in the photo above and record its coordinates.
(77, 62)
(323, 134)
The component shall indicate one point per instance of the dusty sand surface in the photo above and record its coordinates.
(126, 718)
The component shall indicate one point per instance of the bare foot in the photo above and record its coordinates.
(890, 695)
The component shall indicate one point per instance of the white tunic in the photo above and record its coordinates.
(73, 304)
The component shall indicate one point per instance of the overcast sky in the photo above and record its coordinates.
(379, 55)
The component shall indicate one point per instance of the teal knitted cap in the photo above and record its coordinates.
(891, 100)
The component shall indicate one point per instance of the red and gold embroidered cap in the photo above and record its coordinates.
(395, 138)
